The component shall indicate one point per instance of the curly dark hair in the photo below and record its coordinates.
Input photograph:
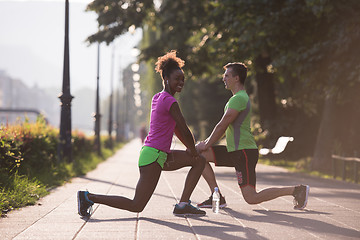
(167, 63)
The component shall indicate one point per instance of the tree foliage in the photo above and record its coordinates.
(116, 17)
(308, 50)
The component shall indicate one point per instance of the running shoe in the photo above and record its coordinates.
(188, 210)
(84, 204)
(301, 194)
(208, 203)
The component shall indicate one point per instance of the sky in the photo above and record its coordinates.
(32, 45)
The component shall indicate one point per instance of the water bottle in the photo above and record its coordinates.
(216, 200)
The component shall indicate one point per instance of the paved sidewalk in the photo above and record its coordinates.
(333, 210)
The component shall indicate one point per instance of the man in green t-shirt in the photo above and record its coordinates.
(241, 150)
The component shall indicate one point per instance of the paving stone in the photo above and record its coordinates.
(333, 210)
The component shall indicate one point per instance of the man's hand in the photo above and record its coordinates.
(201, 146)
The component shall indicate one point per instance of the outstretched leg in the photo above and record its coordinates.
(300, 194)
(252, 197)
(149, 177)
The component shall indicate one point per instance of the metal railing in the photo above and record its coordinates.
(345, 161)
(22, 110)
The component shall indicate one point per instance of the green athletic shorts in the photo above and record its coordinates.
(149, 155)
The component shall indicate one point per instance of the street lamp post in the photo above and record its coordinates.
(111, 99)
(118, 109)
(97, 112)
(64, 148)
(117, 115)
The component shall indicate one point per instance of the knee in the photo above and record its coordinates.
(201, 162)
(137, 208)
(251, 199)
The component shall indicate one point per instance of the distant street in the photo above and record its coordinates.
(333, 211)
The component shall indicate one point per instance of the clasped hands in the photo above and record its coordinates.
(200, 147)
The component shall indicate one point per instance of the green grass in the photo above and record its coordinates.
(20, 192)
(17, 190)
(29, 166)
(80, 166)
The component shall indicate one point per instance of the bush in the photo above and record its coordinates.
(29, 163)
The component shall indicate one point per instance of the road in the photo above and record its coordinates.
(333, 210)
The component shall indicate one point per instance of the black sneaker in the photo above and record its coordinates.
(208, 203)
(84, 204)
(188, 210)
(301, 194)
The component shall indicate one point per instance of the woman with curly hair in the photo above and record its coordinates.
(156, 156)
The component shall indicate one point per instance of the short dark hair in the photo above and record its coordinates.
(238, 69)
(168, 63)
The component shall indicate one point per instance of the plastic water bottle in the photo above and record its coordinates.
(216, 200)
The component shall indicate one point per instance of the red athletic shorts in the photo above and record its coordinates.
(244, 162)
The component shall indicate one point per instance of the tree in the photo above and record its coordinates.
(302, 52)
(117, 17)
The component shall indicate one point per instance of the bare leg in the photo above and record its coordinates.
(149, 177)
(209, 176)
(252, 197)
(208, 173)
(249, 193)
(179, 159)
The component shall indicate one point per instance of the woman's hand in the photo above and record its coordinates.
(196, 155)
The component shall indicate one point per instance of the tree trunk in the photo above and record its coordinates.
(324, 142)
(353, 115)
(347, 121)
(266, 92)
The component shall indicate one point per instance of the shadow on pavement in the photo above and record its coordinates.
(292, 219)
(221, 231)
(132, 219)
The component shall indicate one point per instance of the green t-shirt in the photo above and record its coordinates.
(238, 133)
